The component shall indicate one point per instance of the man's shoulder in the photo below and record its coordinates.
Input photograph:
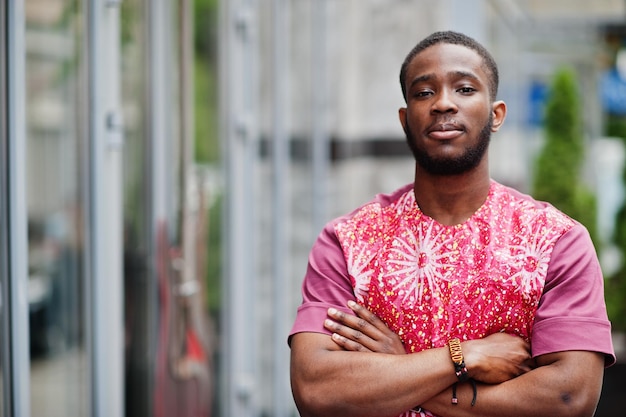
(374, 217)
(527, 206)
(380, 202)
(388, 199)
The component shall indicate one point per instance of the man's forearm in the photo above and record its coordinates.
(342, 383)
(568, 387)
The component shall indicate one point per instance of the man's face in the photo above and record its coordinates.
(449, 115)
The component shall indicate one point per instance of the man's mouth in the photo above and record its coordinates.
(445, 131)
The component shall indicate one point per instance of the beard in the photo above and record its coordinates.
(456, 165)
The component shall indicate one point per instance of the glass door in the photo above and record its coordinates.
(4, 329)
(56, 126)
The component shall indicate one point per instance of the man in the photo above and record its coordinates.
(497, 297)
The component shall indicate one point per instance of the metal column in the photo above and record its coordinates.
(239, 135)
(105, 211)
(320, 137)
(280, 209)
(17, 252)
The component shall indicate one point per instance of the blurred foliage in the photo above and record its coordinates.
(558, 167)
(130, 19)
(205, 33)
(214, 258)
(206, 139)
(616, 127)
(206, 143)
(616, 285)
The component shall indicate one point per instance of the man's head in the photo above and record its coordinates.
(450, 83)
(454, 38)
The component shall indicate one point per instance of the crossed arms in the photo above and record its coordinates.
(362, 370)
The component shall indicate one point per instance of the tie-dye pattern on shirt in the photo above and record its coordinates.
(430, 282)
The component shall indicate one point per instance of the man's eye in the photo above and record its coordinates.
(424, 93)
(466, 90)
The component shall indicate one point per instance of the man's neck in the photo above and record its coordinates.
(451, 200)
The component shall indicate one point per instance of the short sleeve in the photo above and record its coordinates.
(326, 284)
(572, 312)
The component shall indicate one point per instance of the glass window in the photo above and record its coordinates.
(3, 238)
(139, 289)
(56, 175)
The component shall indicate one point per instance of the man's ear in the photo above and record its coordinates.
(499, 114)
(402, 117)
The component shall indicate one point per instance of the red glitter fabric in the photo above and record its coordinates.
(430, 282)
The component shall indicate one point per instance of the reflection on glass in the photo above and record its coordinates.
(55, 126)
(3, 274)
(139, 291)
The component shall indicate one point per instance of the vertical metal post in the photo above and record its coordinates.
(159, 127)
(105, 209)
(280, 211)
(186, 223)
(5, 325)
(319, 137)
(17, 212)
(239, 133)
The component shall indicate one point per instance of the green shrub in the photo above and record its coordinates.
(615, 285)
(558, 166)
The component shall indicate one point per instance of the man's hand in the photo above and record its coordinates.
(362, 333)
(497, 358)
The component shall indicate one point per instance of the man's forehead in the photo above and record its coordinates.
(448, 59)
(444, 50)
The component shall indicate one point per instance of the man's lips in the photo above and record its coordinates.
(444, 131)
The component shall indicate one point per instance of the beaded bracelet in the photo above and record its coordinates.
(460, 370)
(457, 358)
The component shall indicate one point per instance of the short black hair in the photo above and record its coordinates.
(454, 38)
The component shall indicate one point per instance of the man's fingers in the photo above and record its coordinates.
(350, 337)
(348, 344)
(364, 320)
(364, 313)
(373, 320)
(364, 329)
(354, 322)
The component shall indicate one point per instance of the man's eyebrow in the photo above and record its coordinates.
(454, 74)
(464, 74)
(421, 79)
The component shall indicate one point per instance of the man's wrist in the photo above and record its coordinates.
(456, 354)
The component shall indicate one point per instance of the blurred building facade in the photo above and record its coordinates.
(101, 308)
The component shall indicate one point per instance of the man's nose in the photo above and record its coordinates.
(444, 103)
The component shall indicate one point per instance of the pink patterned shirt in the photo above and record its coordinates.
(517, 265)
